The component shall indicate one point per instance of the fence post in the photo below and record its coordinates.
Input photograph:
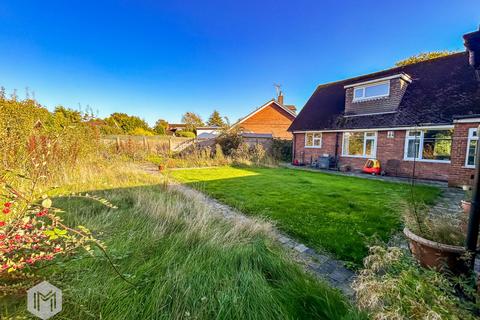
(118, 143)
(169, 146)
(145, 143)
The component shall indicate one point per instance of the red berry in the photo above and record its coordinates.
(7, 204)
(6, 211)
(2, 223)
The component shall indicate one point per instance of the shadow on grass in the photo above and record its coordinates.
(184, 262)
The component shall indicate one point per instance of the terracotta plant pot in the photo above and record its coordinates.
(466, 205)
(441, 257)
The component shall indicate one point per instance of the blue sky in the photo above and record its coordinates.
(159, 59)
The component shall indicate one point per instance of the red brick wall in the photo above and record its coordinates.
(459, 175)
(272, 119)
(387, 148)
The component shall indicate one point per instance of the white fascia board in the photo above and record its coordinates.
(400, 75)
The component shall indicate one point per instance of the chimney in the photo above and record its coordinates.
(292, 108)
(280, 98)
(472, 43)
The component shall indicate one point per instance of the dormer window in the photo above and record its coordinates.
(371, 91)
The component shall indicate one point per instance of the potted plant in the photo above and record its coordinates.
(436, 241)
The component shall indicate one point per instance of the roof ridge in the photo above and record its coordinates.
(385, 70)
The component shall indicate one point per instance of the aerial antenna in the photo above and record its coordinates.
(278, 89)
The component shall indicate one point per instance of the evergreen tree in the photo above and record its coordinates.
(216, 120)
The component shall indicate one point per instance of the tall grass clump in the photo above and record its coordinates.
(394, 286)
(180, 260)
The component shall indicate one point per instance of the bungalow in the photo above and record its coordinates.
(424, 114)
(273, 118)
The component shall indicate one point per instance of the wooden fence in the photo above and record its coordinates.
(153, 144)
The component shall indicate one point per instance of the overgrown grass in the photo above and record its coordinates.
(184, 261)
(337, 213)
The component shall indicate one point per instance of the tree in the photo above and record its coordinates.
(160, 127)
(125, 122)
(423, 57)
(192, 120)
(66, 116)
(216, 120)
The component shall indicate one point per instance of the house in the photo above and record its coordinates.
(423, 115)
(207, 132)
(174, 127)
(200, 132)
(273, 118)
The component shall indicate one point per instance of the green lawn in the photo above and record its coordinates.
(182, 261)
(339, 214)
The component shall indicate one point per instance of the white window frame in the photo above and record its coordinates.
(363, 87)
(471, 138)
(420, 146)
(313, 133)
(365, 138)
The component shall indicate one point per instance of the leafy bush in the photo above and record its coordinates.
(229, 141)
(281, 150)
(27, 130)
(126, 122)
(393, 286)
(141, 132)
(185, 134)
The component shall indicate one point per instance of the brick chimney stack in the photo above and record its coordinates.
(472, 43)
(280, 98)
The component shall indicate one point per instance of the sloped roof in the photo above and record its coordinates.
(441, 89)
(290, 112)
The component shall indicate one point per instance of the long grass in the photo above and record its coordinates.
(184, 261)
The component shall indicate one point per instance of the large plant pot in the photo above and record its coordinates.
(441, 257)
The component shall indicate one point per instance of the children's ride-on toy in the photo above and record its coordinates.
(372, 166)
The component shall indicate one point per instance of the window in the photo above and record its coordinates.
(372, 91)
(471, 148)
(429, 145)
(313, 140)
(359, 144)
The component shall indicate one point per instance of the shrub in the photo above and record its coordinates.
(141, 132)
(229, 141)
(281, 150)
(31, 231)
(257, 153)
(393, 286)
(27, 129)
(185, 134)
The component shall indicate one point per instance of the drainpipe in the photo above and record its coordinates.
(336, 149)
(293, 147)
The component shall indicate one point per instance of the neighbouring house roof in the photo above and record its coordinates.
(256, 135)
(441, 89)
(208, 128)
(285, 108)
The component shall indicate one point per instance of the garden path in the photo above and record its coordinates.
(320, 265)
